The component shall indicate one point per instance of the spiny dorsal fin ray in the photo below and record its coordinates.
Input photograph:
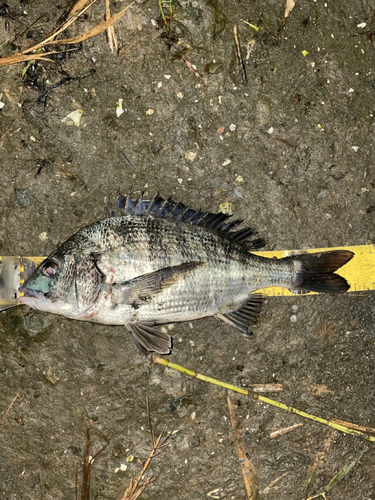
(177, 211)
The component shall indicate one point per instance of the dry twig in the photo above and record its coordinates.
(73, 14)
(9, 407)
(158, 445)
(192, 69)
(111, 35)
(88, 460)
(239, 56)
(289, 6)
(285, 430)
(247, 466)
(339, 427)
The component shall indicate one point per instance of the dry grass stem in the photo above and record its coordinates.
(73, 14)
(271, 486)
(88, 460)
(357, 427)
(111, 35)
(192, 69)
(266, 387)
(239, 56)
(159, 444)
(2, 137)
(285, 430)
(319, 460)
(9, 407)
(272, 402)
(247, 466)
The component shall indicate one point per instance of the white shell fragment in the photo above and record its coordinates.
(119, 108)
(43, 236)
(73, 118)
(191, 155)
(355, 148)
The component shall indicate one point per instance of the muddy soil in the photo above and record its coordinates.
(291, 152)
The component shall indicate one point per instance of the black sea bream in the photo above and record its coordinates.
(162, 262)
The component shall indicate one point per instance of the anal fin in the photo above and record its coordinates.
(149, 338)
(246, 315)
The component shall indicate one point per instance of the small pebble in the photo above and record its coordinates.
(22, 196)
(294, 308)
(293, 318)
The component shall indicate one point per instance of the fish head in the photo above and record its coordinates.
(66, 283)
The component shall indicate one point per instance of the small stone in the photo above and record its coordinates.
(150, 112)
(355, 148)
(294, 309)
(232, 127)
(264, 112)
(213, 68)
(22, 196)
(51, 376)
(293, 318)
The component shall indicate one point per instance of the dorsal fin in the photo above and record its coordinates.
(177, 211)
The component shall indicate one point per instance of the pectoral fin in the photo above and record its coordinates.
(246, 315)
(141, 289)
(149, 338)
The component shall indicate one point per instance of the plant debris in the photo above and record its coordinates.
(159, 444)
(71, 15)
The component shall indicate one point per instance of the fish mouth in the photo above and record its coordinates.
(29, 293)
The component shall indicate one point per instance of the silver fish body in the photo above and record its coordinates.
(163, 262)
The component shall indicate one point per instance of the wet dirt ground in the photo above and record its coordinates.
(293, 154)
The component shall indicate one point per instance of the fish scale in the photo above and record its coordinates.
(163, 262)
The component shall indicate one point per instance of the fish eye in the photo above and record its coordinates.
(50, 268)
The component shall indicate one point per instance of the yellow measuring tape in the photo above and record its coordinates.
(359, 272)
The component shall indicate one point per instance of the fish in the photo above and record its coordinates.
(162, 262)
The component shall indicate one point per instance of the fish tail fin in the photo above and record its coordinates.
(315, 272)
